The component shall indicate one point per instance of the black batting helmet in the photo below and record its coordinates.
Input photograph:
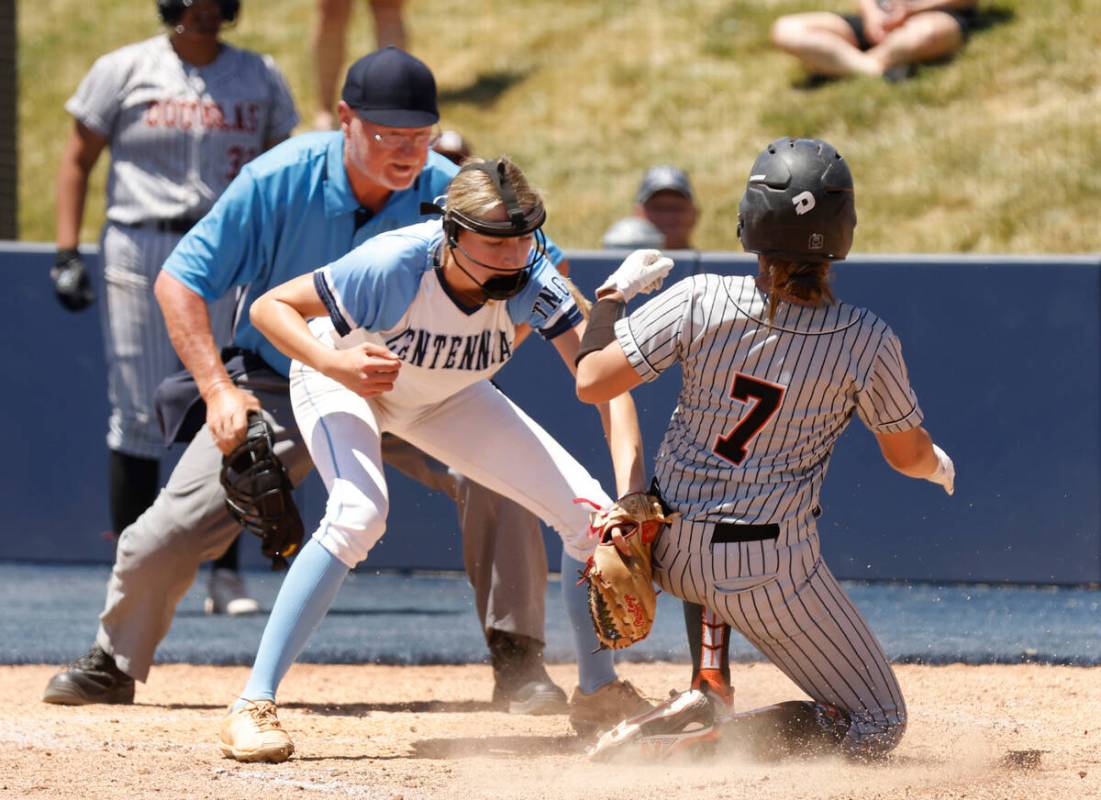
(172, 10)
(798, 203)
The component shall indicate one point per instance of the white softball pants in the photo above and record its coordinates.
(478, 432)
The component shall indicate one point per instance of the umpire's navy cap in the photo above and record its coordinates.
(392, 88)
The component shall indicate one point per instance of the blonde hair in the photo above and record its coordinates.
(582, 302)
(806, 281)
(473, 194)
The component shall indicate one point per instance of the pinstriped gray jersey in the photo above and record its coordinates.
(762, 404)
(179, 133)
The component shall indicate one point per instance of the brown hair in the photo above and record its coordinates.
(806, 281)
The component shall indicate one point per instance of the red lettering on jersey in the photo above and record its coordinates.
(152, 113)
(253, 117)
(184, 109)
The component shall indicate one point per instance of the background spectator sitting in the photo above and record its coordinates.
(665, 200)
(885, 39)
(328, 47)
(452, 146)
(632, 233)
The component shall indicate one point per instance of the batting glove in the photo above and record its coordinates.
(642, 271)
(945, 473)
(71, 282)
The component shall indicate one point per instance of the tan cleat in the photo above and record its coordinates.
(605, 708)
(253, 733)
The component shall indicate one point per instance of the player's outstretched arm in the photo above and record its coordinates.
(913, 454)
(619, 419)
(621, 430)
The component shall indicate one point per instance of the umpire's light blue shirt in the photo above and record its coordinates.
(289, 212)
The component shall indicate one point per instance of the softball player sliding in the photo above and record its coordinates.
(181, 114)
(406, 331)
(773, 369)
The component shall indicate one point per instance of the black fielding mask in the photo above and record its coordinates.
(519, 223)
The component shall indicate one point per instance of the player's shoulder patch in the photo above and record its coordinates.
(546, 302)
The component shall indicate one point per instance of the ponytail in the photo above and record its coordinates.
(806, 281)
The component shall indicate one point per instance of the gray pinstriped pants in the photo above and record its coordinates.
(784, 600)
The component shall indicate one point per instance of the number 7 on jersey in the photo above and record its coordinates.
(733, 446)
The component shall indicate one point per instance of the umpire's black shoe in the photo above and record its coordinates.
(94, 678)
(521, 682)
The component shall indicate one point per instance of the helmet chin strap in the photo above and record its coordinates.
(512, 281)
(518, 223)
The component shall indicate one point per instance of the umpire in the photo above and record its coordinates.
(299, 206)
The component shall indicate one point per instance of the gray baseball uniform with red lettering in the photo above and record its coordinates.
(743, 460)
(178, 134)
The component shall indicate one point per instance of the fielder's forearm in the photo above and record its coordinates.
(621, 429)
(287, 329)
(188, 321)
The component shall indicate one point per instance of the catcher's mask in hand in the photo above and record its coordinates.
(259, 493)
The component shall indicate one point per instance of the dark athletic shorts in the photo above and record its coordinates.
(965, 18)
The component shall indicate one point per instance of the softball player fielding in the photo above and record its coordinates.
(773, 369)
(403, 334)
(181, 114)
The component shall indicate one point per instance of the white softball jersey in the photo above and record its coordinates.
(743, 459)
(390, 291)
(177, 134)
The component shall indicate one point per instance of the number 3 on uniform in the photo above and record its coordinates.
(733, 445)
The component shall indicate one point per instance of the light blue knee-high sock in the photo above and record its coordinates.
(595, 667)
(307, 592)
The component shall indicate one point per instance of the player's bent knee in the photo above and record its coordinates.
(350, 533)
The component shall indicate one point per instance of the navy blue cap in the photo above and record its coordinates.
(392, 88)
(664, 178)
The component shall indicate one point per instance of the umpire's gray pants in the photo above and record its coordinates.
(159, 555)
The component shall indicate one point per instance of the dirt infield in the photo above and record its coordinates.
(428, 732)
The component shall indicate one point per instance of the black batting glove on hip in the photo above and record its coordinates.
(71, 282)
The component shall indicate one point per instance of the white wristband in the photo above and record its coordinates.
(945, 473)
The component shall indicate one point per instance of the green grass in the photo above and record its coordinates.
(997, 151)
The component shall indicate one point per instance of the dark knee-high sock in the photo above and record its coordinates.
(134, 485)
